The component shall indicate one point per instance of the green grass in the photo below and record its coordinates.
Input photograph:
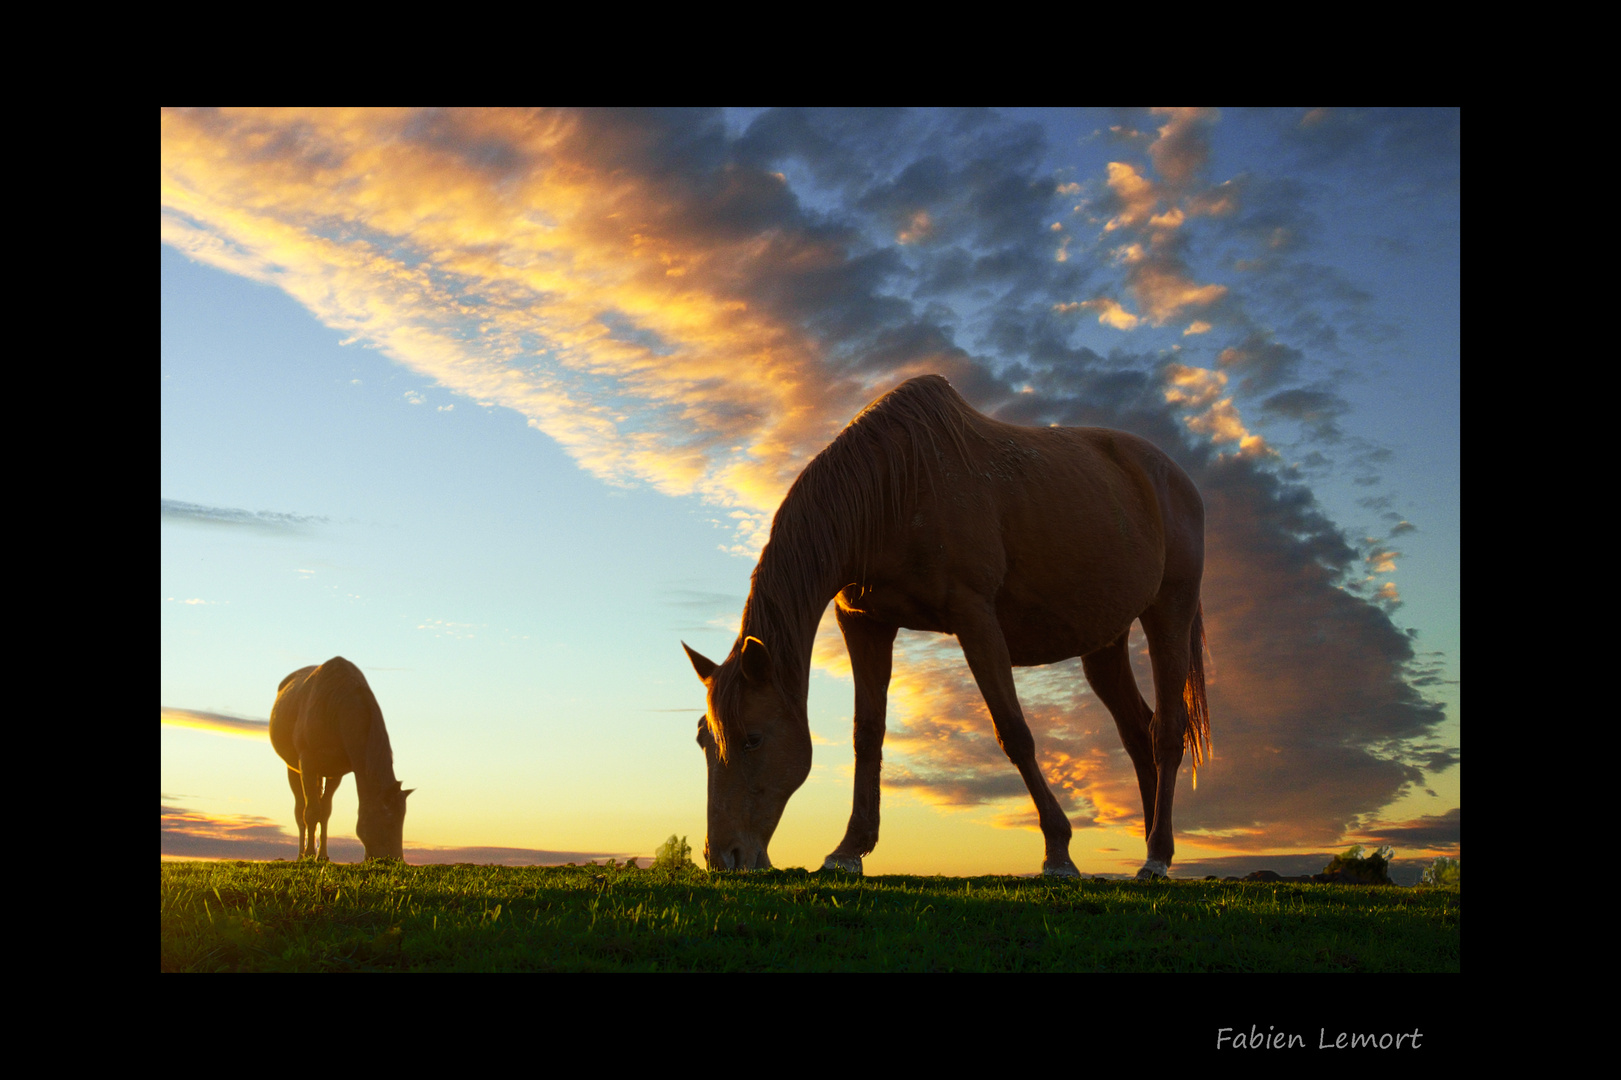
(382, 916)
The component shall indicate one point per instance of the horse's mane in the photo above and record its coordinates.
(836, 513)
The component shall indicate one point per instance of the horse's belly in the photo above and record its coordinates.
(1047, 628)
(321, 757)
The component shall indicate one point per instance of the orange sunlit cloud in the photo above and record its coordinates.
(1157, 273)
(1182, 149)
(1198, 390)
(218, 723)
(1136, 194)
(1110, 313)
(661, 371)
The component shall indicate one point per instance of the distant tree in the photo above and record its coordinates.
(1355, 866)
(673, 854)
(1444, 872)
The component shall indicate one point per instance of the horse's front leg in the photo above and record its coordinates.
(871, 645)
(296, 782)
(986, 651)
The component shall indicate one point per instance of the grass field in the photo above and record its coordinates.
(386, 916)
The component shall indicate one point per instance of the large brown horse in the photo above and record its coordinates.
(1031, 545)
(326, 723)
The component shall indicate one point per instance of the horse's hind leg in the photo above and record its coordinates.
(313, 821)
(1168, 624)
(986, 651)
(871, 645)
(296, 782)
(1109, 672)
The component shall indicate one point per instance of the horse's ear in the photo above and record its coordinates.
(756, 660)
(406, 792)
(704, 666)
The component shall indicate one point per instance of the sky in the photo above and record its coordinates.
(499, 406)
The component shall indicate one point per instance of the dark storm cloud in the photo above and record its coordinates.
(1317, 409)
(1418, 149)
(1261, 363)
(1431, 832)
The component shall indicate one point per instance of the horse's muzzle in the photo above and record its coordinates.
(737, 857)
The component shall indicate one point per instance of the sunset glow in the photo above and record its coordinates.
(499, 405)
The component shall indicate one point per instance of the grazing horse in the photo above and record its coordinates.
(326, 723)
(1031, 545)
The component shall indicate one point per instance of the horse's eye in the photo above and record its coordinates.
(753, 741)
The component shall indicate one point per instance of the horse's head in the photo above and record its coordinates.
(381, 825)
(758, 749)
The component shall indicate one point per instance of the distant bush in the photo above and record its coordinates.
(673, 854)
(1445, 871)
(1355, 866)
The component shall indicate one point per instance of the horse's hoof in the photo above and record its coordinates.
(1153, 869)
(851, 865)
(1059, 870)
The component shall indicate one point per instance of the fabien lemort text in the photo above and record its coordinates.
(1272, 1039)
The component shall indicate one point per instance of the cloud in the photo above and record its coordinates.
(1313, 408)
(1183, 146)
(1432, 834)
(1199, 391)
(700, 308)
(268, 521)
(717, 610)
(1414, 152)
(458, 630)
(194, 834)
(1110, 313)
(1382, 561)
(219, 723)
(190, 833)
(1135, 197)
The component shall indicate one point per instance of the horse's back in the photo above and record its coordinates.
(284, 714)
(1080, 527)
(322, 713)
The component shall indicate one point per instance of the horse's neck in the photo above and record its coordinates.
(377, 770)
(797, 603)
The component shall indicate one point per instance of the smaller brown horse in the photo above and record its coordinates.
(326, 723)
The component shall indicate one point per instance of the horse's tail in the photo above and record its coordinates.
(1197, 736)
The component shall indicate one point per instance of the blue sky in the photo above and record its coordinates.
(498, 406)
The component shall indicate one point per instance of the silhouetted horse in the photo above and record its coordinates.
(326, 723)
(1031, 545)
